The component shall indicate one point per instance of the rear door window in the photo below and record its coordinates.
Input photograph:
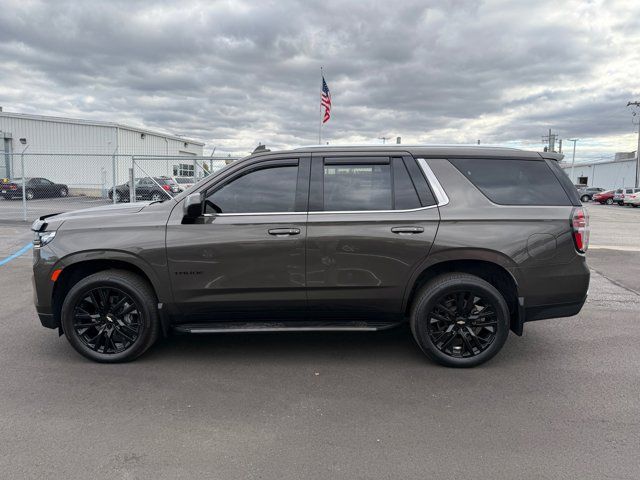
(357, 187)
(513, 182)
(404, 191)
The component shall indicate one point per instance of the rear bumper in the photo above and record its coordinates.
(559, 310)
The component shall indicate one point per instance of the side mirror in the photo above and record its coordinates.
(192, 206)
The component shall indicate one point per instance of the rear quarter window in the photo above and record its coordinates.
(513, 182)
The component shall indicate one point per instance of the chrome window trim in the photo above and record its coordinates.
(253, 214)
(441, 196)
(373, 211)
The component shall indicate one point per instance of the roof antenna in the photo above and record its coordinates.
(261, 149)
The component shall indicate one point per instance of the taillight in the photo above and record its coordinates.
(13, 187)
(580, 227)
(166, 187)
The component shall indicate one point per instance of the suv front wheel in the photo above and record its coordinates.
(111, 316)
(460, 320)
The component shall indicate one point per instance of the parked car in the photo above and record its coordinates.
(147, 188)
(587, 193)
(627, 194)
(632, 199)
(618, 195)
(604, 197)
(185, 182)
(33, 188)
(325, 239)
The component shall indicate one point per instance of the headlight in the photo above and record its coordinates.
(40, 239)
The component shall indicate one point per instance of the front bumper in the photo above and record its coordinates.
(48, 320)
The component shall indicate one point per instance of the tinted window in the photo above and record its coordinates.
(357, 187)
(514, 182)
(405, 195)
(266, 190)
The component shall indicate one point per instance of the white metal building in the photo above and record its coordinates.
(609, 174)
(81, 151)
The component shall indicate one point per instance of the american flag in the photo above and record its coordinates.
(325, 101)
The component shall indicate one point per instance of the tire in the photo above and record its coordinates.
(118, 197)
(584, 198)
(116, 337)
(63, 192)
(609, 201)
(156, 197)
(450, 349)
(29, 195)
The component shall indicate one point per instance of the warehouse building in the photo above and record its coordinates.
(85, 152)
(610, 174)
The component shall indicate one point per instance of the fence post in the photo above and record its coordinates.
(113, 171)
(132, 186)
(24, 188)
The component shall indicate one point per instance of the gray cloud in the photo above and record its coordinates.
(235, 73)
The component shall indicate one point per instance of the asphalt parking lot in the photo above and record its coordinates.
(563, 401)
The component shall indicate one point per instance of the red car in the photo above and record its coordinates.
(604, 197)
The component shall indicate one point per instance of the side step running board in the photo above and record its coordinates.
(293, 326)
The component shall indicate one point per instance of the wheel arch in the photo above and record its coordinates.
(79, 266)
(493, 270)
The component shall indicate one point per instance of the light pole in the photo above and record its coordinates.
(636, 104)
(573, 161)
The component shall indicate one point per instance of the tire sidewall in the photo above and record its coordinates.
(64, 192)
(29, 195)
(426, 303)
(79, 290)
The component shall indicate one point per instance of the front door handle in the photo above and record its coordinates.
(407, 230)
(283, 232)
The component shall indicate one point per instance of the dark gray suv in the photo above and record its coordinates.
(462, 243)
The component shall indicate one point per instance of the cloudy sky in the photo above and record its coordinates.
(235, 73)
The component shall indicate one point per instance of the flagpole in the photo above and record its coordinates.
(320, 125)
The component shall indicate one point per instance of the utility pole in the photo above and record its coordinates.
(637, 104)
(551, 141)
(384, 139)
(573, 161)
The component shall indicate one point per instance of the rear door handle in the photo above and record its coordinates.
(283, 232)
(407, 230)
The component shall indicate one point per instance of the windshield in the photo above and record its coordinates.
(185, 180)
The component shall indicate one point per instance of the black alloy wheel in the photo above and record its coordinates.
(462, 324)
(111, 316)
(107, 320)
(459, 320)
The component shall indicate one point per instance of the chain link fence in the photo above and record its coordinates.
(32, 185)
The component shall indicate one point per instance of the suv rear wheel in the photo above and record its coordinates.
(460, 320)
(111, 316)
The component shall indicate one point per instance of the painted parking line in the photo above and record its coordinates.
(20, 252)
(623, 248)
